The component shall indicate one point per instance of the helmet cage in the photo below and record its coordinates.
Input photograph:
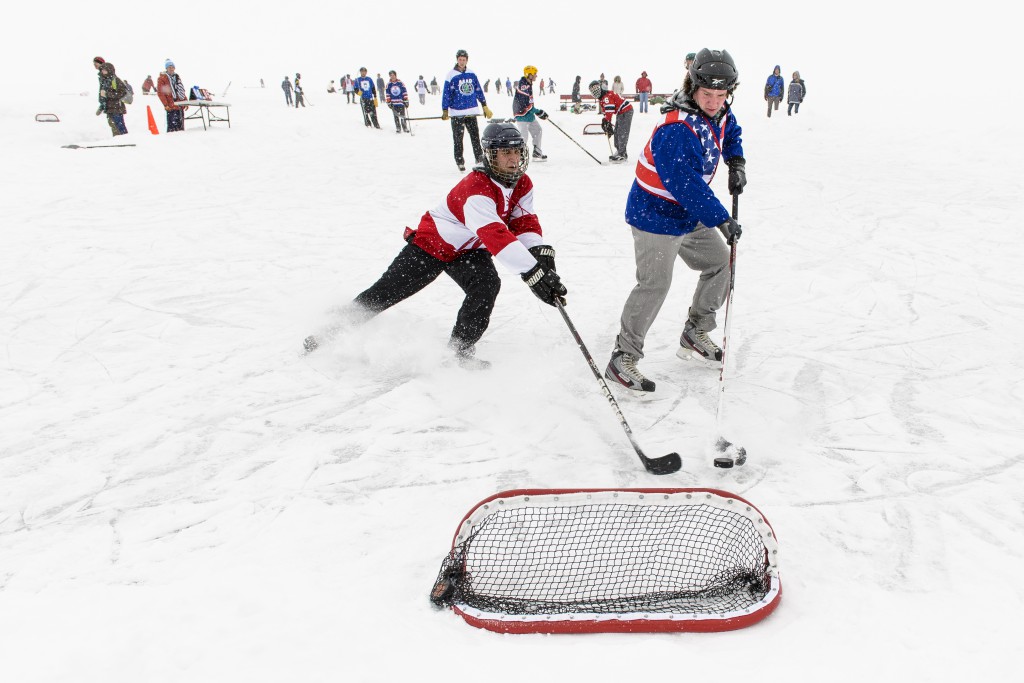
(499, 136)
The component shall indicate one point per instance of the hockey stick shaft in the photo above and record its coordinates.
(559, 128)
(663, 465)
(728, 318)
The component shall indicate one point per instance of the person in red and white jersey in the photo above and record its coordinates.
(487, 216)
(611, 103)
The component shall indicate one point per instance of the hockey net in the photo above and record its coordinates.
(605, 560)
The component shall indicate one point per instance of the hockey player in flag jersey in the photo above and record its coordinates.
(673, 211)
(487, 216)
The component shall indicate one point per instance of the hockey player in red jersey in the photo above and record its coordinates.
(487, 216)
(613, 104)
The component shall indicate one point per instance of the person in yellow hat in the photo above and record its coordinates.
(527, 114)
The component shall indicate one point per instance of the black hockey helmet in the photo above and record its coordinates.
(714, 70)
(595, 89)
(504, 136)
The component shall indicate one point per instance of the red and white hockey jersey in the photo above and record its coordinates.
(480, 213)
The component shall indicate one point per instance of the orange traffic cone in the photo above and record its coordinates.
(152, 121)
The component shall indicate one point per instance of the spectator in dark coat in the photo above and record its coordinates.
(797, 90)
(773, 89)
(286, 85)
(112, 89)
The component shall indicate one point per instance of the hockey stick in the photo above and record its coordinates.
(94, 146)
(573, 140)
(666, 464)
(731, 453)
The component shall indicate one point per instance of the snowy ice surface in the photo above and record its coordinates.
(185, 497)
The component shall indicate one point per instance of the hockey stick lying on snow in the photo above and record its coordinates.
(731, 453)
(94, 146)
(666, 464)
(573, 140)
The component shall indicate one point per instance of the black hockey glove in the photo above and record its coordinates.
(545, 284)
(737, 175)
(541, 114)
(606, 126)
(545, 256)
(731, 230)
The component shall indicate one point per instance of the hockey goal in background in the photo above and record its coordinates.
(611, 560)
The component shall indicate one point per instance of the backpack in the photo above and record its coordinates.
(129, 93)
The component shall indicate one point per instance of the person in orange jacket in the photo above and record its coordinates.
(171, 90)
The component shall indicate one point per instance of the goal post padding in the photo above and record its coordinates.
(611, 560)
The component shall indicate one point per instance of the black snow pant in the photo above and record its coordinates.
(413, 269)
(369, 112)
(468, 123)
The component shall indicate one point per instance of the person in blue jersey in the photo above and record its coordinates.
(773, 89)
(397, 98)
(672, 211)
(367, 93)
(487, 217)
(526, 114)
(461, 100)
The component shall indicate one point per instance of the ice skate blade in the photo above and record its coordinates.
(691, 355)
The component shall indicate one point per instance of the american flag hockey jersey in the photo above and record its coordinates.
(672, 192)
(480, 213)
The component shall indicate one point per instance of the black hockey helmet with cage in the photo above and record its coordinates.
(596, 89)
(504, 136)
(714, 70)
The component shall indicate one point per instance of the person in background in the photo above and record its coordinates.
(576, 100)
(551, 86)
(487, 86)
(380, 86)
(286, 85)
(112, 89)
(331, 88)
(299, 99)
(367, 98)
(433, 85)
(541, 91)
(612, 104)
(421, 89)
(148, 85)
(643, 89)
(773, 89)
(618, 87)
(397, 98)
(461, 101)
(672, 211)
(508, 86)
(350, 88)
(98, 62)
(690, 56)
(488, 216)
(526, 114)
(171, 91)
(797, 90)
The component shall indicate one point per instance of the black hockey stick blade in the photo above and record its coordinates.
(94, 146)
(666, 464)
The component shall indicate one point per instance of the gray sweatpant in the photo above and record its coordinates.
(534, 129)
(705, 250)
(623, 122)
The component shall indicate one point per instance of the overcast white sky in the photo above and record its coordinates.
(863, 49)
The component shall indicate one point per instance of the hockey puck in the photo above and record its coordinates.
(724, 463)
